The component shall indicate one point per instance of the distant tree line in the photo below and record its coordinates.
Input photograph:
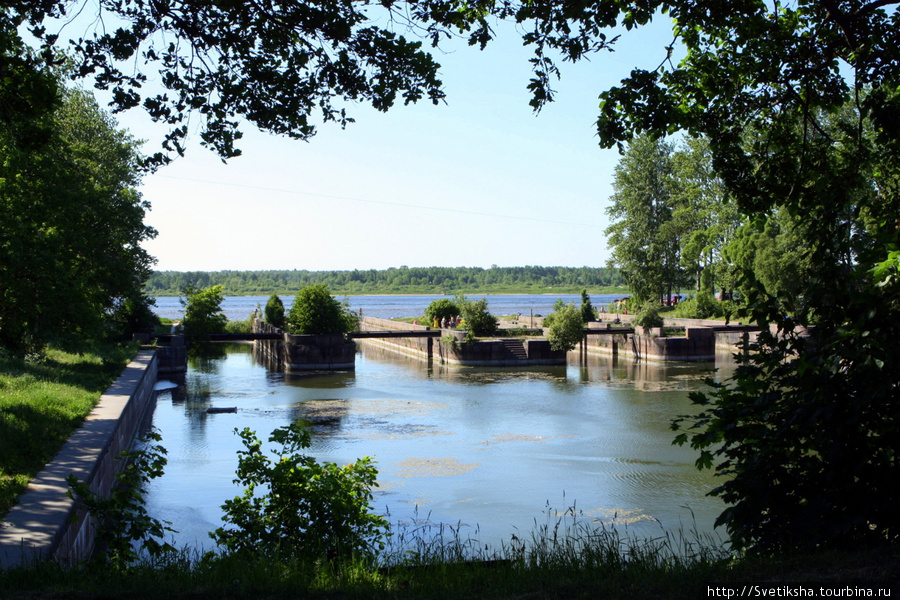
(394, 280)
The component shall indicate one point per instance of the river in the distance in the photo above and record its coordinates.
(495, 451)
(238, 308)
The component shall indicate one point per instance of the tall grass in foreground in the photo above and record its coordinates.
(567, 557)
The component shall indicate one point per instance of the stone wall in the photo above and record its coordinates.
(304, 352)
(45, 524)
(698, 344)
(458, 352)
(417, 347)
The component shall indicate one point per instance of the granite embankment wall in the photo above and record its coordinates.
(497, 352)
(698, 344)
(423, 348)
(45, 523)
(304, 352)
(702, 341)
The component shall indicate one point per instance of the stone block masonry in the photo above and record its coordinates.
(294, 353)
(45, 523)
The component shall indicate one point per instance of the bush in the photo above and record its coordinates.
(203, 312)
(704, 306)
(566, 328)
(587, 309)
(245, 326)
(440, 309)
(122, 517)
(310, 511)
(804, 435)
(476, 317)
(275, 312)
(315, 310)
(132, 315)
(648, 315)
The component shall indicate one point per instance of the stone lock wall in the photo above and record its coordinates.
(304, 352)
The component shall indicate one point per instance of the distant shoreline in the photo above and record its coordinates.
(338, 292)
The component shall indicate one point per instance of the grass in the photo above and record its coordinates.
(42, 400)
(562, 558)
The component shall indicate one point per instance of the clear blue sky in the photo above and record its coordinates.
(478, 181)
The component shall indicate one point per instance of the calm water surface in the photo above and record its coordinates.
(238, 308)
(493, 450)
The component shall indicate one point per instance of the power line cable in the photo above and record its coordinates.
(381, 202)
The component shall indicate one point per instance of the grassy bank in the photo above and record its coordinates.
(42, 400)
(579, 564)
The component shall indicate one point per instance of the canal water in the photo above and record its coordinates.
(238, 308)
(494, 452)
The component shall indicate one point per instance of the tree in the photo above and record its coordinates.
(275, 65)
(203, 312)
(476, 316)
(315, 310)
(72, 221)
(772, 252)
(275, 311)
(806, 431)
(643, 237)
(441, 309)
(565, 326)
(705, 214)
(587, 309)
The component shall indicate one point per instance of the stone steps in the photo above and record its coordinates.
(515, 348)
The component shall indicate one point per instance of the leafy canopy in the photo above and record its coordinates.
(279, 66)
(308, 510)
(203, 312)
(72, 218)
(315, 310)
(565, 326)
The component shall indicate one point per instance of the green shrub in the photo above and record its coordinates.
(476, 317)
(566, 328)
(315, 310)
(704, 306)
(132, 315)
(648, 315)
(203, 312)
(245, 326)
(441, 309)
(125, 526)
(275, 312)
(310, 510)
(588, 313)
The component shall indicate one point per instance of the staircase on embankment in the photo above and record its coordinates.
(515, 349)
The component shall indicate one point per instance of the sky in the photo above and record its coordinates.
(478, 181)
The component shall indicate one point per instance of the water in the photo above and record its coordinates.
(238, 308)
(492, 450)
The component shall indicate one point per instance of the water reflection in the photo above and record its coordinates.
(482, 446)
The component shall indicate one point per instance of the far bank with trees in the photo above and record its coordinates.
(399, 280)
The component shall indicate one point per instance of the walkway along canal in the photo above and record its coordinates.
(44, 523)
